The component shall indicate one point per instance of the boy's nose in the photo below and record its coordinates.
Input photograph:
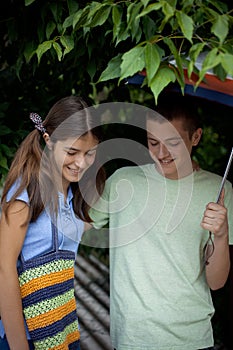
(163, 151)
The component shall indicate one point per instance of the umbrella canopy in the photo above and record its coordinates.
(212, 88)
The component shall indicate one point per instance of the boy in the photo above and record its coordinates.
(163, 260)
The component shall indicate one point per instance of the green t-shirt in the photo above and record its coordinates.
(159, 298)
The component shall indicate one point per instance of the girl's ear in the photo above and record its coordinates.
(196, 136)
(48, 142)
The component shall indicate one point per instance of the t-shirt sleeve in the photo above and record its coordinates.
(23, 196)
(99, 213)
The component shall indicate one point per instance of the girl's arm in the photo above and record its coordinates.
(12, 235)
(218, 267)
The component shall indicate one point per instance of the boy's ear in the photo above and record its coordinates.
(196, 136)
(47, 140)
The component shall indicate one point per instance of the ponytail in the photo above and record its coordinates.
(25, 168)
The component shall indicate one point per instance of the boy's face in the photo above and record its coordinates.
(170, 147)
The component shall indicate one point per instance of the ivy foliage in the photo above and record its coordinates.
(161, 37)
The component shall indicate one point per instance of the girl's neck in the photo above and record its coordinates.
(62, 186)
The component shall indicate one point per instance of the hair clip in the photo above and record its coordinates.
(37, 120)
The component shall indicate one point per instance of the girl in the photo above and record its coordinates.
(52, 184)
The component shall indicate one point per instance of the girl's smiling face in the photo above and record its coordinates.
(73, 157)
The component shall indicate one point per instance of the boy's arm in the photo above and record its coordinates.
(96, 232)
(215, 220)
(99, 213)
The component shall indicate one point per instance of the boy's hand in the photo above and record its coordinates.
(215, 218)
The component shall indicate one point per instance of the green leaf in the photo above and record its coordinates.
(148, 27)
(73, 6)
(28, 2)
(130, 8)
(100, 17)
(173, 3)
(18, 66)
(220, 72)
(194, 52)
(116, 18)
(113, 69)
(219, 5)
(49, 29)
(80, 18)
(58, 50)
(145, 2)
(29, 51)
(152, 59)
(220, 28)
(60, 28)
(7, 151)
(186, 24)
(133, 61)
(132, 12)
(42, 48)
(180, 79)
(93, 9)
(211, 60)
(123, 34)
(91, 69)
(3, 163)
(133, 21)
(163, 77)
(56, 9)
(226, 60)
(168, 12)
(40, 33)
(68, 43)
(68, 22)
(187, 3)
(228, 47)
(150, 8)
(176, 55)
